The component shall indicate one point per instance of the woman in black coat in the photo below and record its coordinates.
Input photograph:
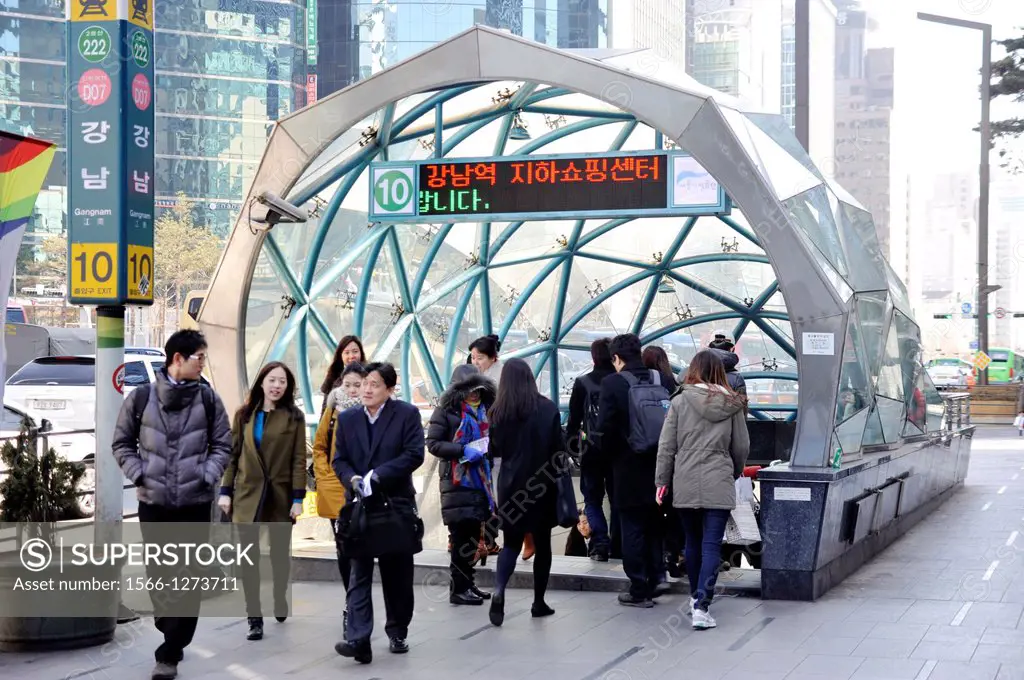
(462, 417)
(526, 434)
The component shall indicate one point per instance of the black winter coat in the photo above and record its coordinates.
(458, 503)
(578, 408)
(526, 481)
(632, 473)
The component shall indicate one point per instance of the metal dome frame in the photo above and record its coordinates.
(818, 298)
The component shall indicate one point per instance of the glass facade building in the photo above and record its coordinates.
(358, 38)
(225, 71)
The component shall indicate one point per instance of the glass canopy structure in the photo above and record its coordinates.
(794, 272)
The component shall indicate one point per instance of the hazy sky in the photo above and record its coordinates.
(938, 74)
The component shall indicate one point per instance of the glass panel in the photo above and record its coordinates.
(457, 254)
(479, 143)
(910, 356)
(681, 344)
(936, 407)
(763, 392)
(891, 414)
(811, 212)
(855, 378)
(890, 373)
(742, 281)
(319, 356)
(873, 431)
(779, 131)
(638, 240)
(784, 173)
(264, 314)
(383, 303)
(436, 324)
(872, 311)
(851, 433)
(711, 235)
(676, 302)
(898, 291)
(347, 230)
(758, 352)
(598, 138)
(590, 282)
(507, 285)
(532, 239)
(867, 264)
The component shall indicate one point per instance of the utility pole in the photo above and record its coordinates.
(984, 289)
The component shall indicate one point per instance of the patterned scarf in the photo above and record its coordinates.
(474, 426)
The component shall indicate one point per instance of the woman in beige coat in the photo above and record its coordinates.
(703, 448)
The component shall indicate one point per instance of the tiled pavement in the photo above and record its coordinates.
(944, 603)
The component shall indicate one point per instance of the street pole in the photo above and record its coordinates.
(983, 172)
(109, 480)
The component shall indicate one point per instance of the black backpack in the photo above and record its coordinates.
(648, 406)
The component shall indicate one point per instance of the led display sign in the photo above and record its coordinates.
(543, 187)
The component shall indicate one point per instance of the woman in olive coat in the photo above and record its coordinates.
(265, 481)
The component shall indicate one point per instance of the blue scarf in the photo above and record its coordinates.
(473, 475)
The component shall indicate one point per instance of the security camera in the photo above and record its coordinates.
(279, 210)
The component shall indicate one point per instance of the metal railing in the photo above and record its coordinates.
(958, 410)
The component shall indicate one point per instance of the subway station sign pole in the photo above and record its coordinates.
(110, 201)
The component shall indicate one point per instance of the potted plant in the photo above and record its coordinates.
(38, 491)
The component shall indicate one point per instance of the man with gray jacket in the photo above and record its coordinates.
(173, 440)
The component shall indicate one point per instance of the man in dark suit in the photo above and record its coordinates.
(633, 489)
(379, 446)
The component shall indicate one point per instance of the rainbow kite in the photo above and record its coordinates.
(24, 162)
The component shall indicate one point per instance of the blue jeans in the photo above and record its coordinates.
(704, 531)
(595, 481)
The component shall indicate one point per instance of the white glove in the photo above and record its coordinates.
(224, 503)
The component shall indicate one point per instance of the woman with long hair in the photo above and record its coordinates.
(467, 497)
(702, 450)
(526, 434)
(656, 358)
(265, 482)
(330, 494)
(483, 353)
(348, 351)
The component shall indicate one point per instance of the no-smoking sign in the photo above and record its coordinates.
(118, 379)
(1000, 313)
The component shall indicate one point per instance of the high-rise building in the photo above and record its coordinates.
(357, 38)
(222, 77)
(821, 78)
(863, 131)
(1006, 255)
(658, 25)
(737, 50)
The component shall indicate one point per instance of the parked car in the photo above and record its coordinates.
(63, 389)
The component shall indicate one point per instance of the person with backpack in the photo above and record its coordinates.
(632, 409)
(173, 441)
(585, 443)
(703, 449)
(265, 483)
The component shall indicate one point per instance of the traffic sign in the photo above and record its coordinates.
(1000, 313)
(118, 379)
(965, 308)
(974, 345)
(981, 361)
(93, 271)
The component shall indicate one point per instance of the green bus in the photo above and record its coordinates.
(1007, 365)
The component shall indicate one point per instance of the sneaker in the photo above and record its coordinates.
(693, 605)
(702, 620)
(629, 600)
(398, 645)
(165, 671)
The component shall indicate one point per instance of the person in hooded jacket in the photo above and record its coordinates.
(725, 350)
(702, 450)
(467, 497)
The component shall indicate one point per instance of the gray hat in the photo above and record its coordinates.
(462, 372)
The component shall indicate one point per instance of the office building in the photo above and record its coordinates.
(222, 78)
(356, 39)
(658, 25)
(863, 133)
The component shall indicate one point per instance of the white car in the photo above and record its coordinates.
(63, 389)
(74, 447)
(950, 375)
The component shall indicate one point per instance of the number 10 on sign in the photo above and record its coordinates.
(393, 191)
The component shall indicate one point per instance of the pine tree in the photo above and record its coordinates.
(1008, 81)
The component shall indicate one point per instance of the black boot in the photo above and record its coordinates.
(255, 628)
(483, 595)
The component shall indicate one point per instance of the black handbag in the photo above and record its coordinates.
(566, 511)
(379, 525)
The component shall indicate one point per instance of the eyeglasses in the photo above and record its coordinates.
(201, 358)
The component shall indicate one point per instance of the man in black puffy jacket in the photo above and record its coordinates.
(173, 440)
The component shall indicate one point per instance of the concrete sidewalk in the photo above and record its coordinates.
(943, 603)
